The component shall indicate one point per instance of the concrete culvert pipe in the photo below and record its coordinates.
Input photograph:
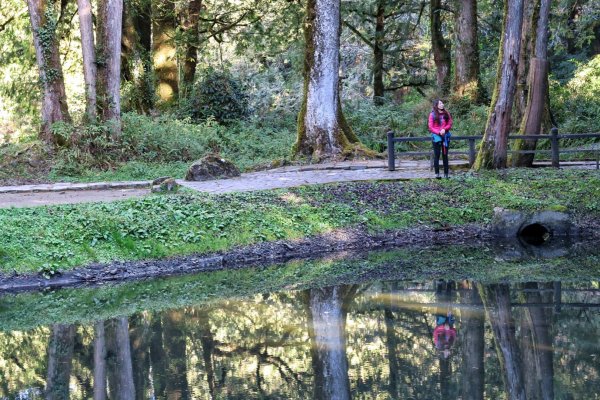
(534, 234)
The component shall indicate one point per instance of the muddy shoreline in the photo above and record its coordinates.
(347, 240)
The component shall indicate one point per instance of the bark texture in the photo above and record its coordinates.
(440, 47)
(60, 358)
(110, 25)
(496, 300)
(86, 29)
(467, 82)
(493, 151)
(120, 368)
(537, 89)
(44, 21)
(322, 130)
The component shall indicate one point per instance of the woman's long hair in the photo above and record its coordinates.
(436, 112)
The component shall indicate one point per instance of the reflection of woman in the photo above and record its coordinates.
(444, 333)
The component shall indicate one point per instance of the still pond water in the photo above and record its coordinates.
(384, 338)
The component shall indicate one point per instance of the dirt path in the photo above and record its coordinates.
(290, 176)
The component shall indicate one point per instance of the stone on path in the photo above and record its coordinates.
(211, 167)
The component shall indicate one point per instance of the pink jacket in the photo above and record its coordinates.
(436, 126)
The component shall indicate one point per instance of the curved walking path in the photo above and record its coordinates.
(284, 177)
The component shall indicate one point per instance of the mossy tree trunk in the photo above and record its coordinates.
(537, 89)
(493, 151)
(322, 129)
(110, 25)
(467, 81)
(440, 47)
(44, 21)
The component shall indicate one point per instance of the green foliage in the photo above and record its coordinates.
(219, 96)
(146, 143)
(158, 226)
(576, 103)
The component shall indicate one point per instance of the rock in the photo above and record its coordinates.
(211, 167)
(164, 184)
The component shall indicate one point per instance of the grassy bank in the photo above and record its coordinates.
(25, 311)
(48, 239)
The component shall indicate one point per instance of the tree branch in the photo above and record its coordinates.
(360, 35)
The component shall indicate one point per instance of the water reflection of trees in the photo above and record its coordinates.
(344, 341)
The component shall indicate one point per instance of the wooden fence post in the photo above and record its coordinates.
(471, 152)
(391, 152)
(555, 150)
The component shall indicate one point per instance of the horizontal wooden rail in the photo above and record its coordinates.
(553, 137)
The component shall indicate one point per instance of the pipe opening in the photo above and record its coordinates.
(535, 234)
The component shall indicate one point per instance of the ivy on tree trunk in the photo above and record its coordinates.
(44, 21)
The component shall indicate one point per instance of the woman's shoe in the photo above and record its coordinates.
(437, 176)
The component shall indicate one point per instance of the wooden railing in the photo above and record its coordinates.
(554, 151)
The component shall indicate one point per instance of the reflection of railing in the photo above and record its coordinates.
(554, 151)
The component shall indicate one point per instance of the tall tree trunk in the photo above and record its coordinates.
(189, 18)
(493, 151)
(537, 348)
(110, 25)
(440, 47)
(142, 21)
(129, 41)
(140, 353)
(327, 331)
(86, 29)
(467, 81)
(538, 89)
(60, 357)
(530, 13)
(175, 349)
(392, 346)
(378, 88)
(44, 21)
(322, 129)
(473, 345)
(99, 361)
(496, 300)
(120, 371)
(164, 51)
(158, 358)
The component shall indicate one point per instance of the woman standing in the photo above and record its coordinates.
(440, 123)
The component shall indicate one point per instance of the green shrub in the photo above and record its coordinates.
(218, 95)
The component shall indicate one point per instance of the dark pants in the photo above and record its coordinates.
(437, 150)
